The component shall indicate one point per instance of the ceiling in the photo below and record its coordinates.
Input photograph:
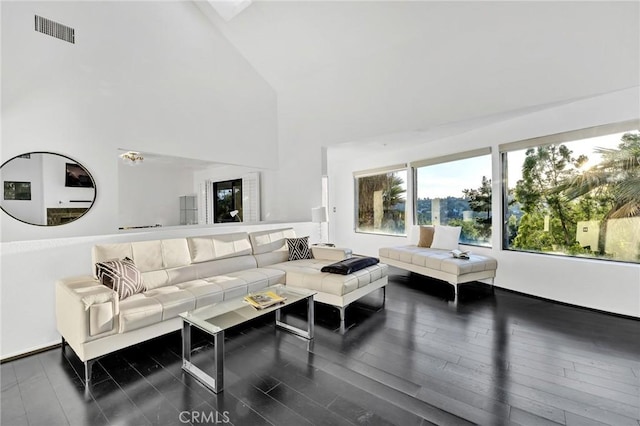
(404, 66)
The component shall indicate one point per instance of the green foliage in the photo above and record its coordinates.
(451, 212)
(615, 179)
(480, 198)
(543, 171)
(531, 234)
(554, 185)
(470, 232)
(393, 192)
(480, 202)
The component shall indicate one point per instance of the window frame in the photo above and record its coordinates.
(374, 172)
(480, 152)
(567, 137)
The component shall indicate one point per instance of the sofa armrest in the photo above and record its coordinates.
(331, 253)
(85, 309)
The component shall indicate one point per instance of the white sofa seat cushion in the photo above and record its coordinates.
(260, 278)
(174, 300)
(205, 293)
(475, 263)
(231, 286)
(153, 306)
(138, 311)
(306, 273)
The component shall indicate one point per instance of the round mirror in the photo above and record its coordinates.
(46, 189)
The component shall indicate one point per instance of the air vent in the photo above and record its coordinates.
(54, 29)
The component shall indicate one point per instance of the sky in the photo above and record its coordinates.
(449, 179)
(579, 147)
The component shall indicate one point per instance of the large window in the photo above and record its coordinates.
(575, 194)
(456, 191)
(380, 201)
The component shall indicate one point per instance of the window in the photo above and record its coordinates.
(380, 201)
(227, 201)
(575, 194)
(456, 191)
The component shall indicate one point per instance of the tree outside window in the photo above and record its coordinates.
(579, 198)
(381, 203)
(457, 193)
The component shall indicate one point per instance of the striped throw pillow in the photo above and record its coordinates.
(121, 276)
(299, 248)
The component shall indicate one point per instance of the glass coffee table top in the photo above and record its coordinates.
(230, 313)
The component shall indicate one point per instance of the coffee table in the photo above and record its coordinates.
(216, 318)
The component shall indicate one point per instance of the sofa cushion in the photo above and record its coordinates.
(224, 266)
(139, 311)
(299, 248)
(173, 299)
(103, 252)
(221, 246)
(348, 266)
(267, 259)
(175, 253)
(308, 274)
(122, 276)
(446, 237)
(259, 278)
(426, 236)
(205, 293)
(148, 256)
(439, 260)
(271, 240)
(231, 286)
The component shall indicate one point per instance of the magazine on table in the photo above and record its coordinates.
(461, 254)
(264, 299)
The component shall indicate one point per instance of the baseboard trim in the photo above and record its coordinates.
(32, 352)
(586, 308)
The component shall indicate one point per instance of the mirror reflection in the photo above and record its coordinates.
(46, 189)
(156, 190)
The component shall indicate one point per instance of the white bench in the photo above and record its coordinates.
(441, 265)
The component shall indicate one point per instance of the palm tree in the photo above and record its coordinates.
(617, 178)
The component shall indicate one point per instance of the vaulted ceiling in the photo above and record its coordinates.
(398, 66)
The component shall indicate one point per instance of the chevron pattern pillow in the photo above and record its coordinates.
(299, 248)
(121, 276)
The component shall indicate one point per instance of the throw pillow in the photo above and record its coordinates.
(121, 276)
(426, 236)
(446, 237)
(299, 248)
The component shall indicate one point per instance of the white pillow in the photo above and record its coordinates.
(446, 237)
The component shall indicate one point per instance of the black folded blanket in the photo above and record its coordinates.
(347, 266)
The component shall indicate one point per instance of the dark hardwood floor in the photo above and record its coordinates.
(491, 360)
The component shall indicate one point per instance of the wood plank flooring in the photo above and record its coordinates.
(492, 359)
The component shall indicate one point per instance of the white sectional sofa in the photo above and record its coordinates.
(186, 273)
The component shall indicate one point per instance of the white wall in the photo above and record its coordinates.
(148, 76)
(607, 286)
(30, 269)
(149, 193)
(25, 170)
